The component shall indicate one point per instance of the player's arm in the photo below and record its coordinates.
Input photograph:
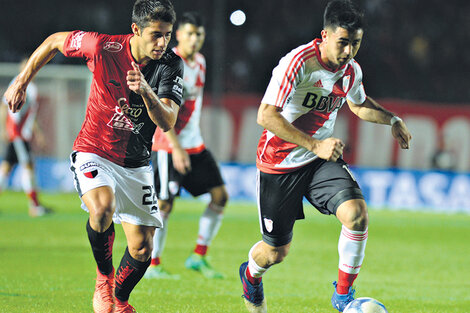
(162, 112)
(181, 160)
(270, 117)
(373, 112)
(15, 95)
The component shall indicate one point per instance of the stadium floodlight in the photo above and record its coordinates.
(238, 17)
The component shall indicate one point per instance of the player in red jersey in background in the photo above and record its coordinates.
(19, 129)
(180, 158)
(297, 157)
(136, 86)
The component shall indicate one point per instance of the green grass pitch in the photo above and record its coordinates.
(415, 262)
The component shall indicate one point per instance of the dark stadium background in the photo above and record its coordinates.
(412, 49)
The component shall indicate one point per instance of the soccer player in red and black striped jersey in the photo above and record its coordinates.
(136, 87)
(297, 157)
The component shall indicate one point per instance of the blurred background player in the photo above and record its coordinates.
(136, 86)
(297, 157)
(180, 158)
(19, 129)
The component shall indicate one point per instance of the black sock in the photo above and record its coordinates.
(102, 247)
(128, 274)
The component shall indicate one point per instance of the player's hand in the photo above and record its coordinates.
(329, 149)
(181, 161)
(15, 96)
(136, 80)
(401, 134)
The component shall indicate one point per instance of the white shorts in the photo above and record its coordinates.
(136, 200)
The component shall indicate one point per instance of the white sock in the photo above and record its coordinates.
(209, 224)
(159, 238)
(27, 179)
(256, 271)
(3, 181)
(351, 247)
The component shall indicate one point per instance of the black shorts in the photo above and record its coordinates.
(20, 150)
(204, 175)
(324, 184)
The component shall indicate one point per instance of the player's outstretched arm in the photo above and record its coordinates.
(15, 95)
(270, 117)
(371, 111)
(163, 112)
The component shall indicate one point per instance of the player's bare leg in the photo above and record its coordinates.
(100, 228)
(260, 258)
(156, 270)
(5, 170)
(209, 225)
(351, 246)
(134, 263)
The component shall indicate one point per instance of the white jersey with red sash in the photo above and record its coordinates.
(310, 95)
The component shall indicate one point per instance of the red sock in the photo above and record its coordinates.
(251, 279)
(155, 261)
(201, 249)
(34, 197)
(345, 281)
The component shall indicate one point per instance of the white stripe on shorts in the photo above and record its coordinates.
(258, 199)
(162, 160)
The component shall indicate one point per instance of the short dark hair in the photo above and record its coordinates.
(145, 11)
(191, 17)
(344, 14)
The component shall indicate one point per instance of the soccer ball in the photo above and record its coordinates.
(365, 305)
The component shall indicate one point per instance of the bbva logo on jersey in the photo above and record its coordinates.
(322, 103)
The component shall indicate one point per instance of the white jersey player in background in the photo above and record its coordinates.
(297, 157)
(182, 160)
(19, 134)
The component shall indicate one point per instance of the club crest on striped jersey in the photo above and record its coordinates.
(112, 46)
(268, 224)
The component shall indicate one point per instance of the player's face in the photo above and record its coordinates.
(190, 39)
(341, 45)
(153, 39)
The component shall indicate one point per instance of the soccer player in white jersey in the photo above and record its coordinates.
(180, 158)
(19, 130)
(297, 157)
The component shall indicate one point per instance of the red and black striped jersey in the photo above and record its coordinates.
(123, 139)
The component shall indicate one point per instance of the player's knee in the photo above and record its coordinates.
(353, 214)
(141, 253)
(278, 254)
(219, 196)
(101, 213)
(359, 217)
(165, 207)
